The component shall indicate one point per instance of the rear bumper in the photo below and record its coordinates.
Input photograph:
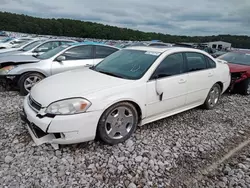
(63, 129)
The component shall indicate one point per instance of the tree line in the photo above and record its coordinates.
(76, 28)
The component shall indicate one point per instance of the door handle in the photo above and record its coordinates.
(210, 74)
(181, 81)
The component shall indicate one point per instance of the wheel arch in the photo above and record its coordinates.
(28, 72)
(221, 85)
(134, 103)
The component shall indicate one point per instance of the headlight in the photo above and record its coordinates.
(68, 106)
(7, 69)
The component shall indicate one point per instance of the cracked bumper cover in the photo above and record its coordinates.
(61, 129)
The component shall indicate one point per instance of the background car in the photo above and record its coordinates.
(155, 44)
(218, 53)
(13, 42)
(19, 47)
(131, 87)
(239, 64)
(26, 70)
(38, 47)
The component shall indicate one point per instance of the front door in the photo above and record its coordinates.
(166, 90)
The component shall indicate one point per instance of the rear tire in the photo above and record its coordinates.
(28, 80)
(244, 87)
(117, 123)
(213, 97)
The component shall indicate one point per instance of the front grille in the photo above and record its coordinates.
(34, 105)
(37, 131)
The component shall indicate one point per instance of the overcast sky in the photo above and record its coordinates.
(177, 17)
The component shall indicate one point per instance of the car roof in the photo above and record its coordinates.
(92, 43)
(163, 49)
(57, 40)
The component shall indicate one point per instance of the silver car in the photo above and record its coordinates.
(38, 47)
(26, 71)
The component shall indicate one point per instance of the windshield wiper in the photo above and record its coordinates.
(111, 74)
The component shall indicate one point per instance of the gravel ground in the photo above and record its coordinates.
(166, 153)
(233, 173)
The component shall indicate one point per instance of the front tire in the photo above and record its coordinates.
(28, 80)
(117, 123)
(213, 97)
(244, 87)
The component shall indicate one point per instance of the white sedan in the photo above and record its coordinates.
(129, 88)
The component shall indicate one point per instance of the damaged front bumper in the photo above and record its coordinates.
(61, 129)
(38, 136)
(8, 81)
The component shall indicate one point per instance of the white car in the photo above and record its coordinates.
(129, 88)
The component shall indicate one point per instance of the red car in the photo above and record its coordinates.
(239, 64)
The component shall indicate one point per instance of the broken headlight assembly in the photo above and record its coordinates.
(7, 69)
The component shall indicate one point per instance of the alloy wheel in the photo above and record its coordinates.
(119, 122)
(214, 96)
(31, 81)
(248, 88)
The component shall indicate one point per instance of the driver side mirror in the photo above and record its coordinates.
(61, 58)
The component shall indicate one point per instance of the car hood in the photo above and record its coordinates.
(8, 50)
(238, 68)
(18, 59)
(77, 83)
(14, 52)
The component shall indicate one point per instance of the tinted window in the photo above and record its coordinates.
(196, 61)
(79, 52)
(102, 51)
(211, 63)
(170, 66)
(128, 64)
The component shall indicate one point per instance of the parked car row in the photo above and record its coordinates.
(76, 92)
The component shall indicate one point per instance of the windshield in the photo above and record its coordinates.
(236, 58)
(128, 64)
(32, 45)
(53, 52)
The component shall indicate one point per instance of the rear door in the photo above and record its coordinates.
(75, 57)
(200, 77)
(101, 52)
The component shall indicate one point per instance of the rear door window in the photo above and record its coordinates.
(79, 52)
(195, 61)
(103, 51)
